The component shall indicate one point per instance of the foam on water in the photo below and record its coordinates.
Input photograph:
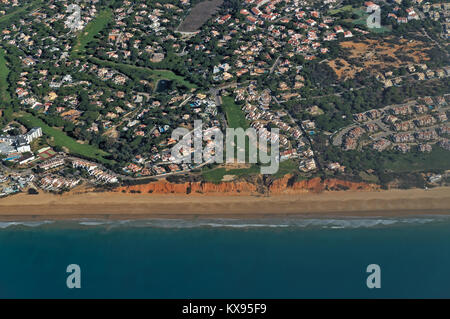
(335, 223)
(324, 223)
(25, 223)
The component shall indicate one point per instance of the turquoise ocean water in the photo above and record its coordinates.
(223, 258)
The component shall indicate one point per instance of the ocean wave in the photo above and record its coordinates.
(95, 223)
(291, 222)
(25, 223)
(335, 223)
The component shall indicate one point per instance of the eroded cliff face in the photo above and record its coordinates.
(285, 185)
(164, 187)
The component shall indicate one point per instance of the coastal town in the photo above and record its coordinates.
(418, 123)
(212, 151)
(94, 100)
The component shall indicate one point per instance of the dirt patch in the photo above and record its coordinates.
(343, 69)
(236, 165)
(377, 56)
(112, 133)
(228, 178)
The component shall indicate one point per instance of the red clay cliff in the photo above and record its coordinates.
(280, 186)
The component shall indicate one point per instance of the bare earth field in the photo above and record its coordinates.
(378, 56)
(113, 205)
(199, 15)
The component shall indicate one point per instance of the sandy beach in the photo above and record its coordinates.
(114, 205)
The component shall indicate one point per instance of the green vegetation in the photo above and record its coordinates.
(5, 97)
(286, 167)
(38, 144)
(19, 12)
(89, 32)
(235, 116)
(4, 71)
(369, 177)
(215, 175)
(138, 73)
(169, 75)
(438, 159)
(236, 119)
(362, 20)
(62, 140)
(342, 9)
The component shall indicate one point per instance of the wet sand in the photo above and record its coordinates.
(114, 205)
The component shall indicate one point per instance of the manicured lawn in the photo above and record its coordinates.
(61, 139)
(89, 32)
(235, 116)
(169, 75)
(344, 8)
(362, 20)
(215, 175)
(4, 71)
(362, 17)
(136, 72)
(236, 119)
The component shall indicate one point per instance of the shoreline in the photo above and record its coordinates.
(328, 204)
(199, 217)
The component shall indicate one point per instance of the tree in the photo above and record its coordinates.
(32, 191)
